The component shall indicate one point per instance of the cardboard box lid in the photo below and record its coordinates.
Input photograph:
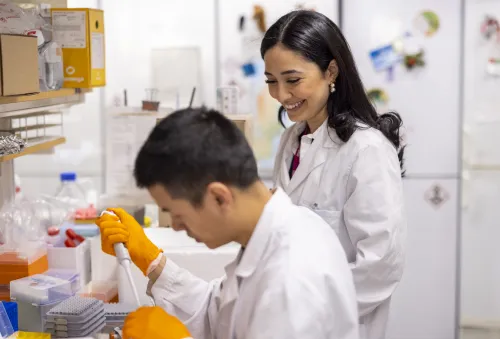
(19, 57)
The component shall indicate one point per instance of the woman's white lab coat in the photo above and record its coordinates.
(290, 282)
(357, 188)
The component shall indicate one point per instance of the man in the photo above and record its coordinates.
(290, 279)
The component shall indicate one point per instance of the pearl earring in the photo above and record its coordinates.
(332, 87)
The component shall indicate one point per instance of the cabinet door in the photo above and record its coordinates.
(426, 97)
(424, 305)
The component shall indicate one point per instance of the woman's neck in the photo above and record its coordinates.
(315, 122)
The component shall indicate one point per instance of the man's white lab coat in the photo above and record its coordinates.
(291, 281)
(355, 187)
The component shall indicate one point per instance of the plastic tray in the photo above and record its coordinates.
(95, 328)
(75, 326)
(40, 289)
(75, 310)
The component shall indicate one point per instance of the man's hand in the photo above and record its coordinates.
(125, 229)
(153, 323)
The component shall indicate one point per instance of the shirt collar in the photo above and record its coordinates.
(253, 252)
(328, 135)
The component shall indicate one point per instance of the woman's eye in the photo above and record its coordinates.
(293, 81)
(270, 81)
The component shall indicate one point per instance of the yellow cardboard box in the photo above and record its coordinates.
(80, 32)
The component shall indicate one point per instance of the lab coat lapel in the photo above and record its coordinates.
(231, 284)
(314, 157)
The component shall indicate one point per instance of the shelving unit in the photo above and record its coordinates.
(32, 107)
(39, 146)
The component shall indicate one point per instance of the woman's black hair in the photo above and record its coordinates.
(318, 39)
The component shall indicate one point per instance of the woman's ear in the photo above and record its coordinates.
(333, 71)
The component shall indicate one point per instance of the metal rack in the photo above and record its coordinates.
(38, 119)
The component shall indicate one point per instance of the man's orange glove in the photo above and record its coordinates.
(153, 323)
(125, 229)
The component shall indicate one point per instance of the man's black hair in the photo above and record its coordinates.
(191, 148)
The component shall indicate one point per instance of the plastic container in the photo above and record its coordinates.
(32, 316)
(72, 258)
(106, 291)
(5, 325)
(69, 191)
(13, 267)
(5, 293)
(72, 276)
(11, 309)
(40, 289)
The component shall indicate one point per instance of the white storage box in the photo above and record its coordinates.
(72, 258)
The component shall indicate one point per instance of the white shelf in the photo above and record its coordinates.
(10, 107)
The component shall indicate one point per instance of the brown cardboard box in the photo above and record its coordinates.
(164, 218)
(244, 123)
(19, 69)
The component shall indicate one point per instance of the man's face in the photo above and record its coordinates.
(208, 223)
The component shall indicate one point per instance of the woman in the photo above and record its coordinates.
(340, 158)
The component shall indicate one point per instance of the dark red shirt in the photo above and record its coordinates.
(296, 156)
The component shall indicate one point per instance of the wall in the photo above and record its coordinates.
(481, 186)
(428, 99)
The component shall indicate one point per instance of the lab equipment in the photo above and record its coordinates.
(29, 335)
(13, 266)
(35, 296)
(69, 275)
(106, 291)
(11, 309)
(40, 289)
(116, 314)
(77, 259)
(76, 317)
(124, 260)
(5, 325)
(50, 66)
(70, 192)
(227, 100)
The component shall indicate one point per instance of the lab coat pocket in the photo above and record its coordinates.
(331, 217)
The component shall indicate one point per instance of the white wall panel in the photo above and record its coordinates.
(428, 99)
(424, 305)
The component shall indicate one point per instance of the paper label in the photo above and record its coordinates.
(97, 51)
(69, 29)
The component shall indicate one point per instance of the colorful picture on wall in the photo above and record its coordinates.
(378, 96)
(490, 28)
(412, 61)
(385, 57)
(427, 22)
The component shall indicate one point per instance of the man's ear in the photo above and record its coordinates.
(220, 193)
(333, 71)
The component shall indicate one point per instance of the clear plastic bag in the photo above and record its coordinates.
(13, 20)
(24, 223)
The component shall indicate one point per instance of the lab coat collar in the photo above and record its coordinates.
(253, 252)
(325, 139)
(326, 135)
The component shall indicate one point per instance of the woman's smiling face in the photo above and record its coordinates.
(298, 84)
